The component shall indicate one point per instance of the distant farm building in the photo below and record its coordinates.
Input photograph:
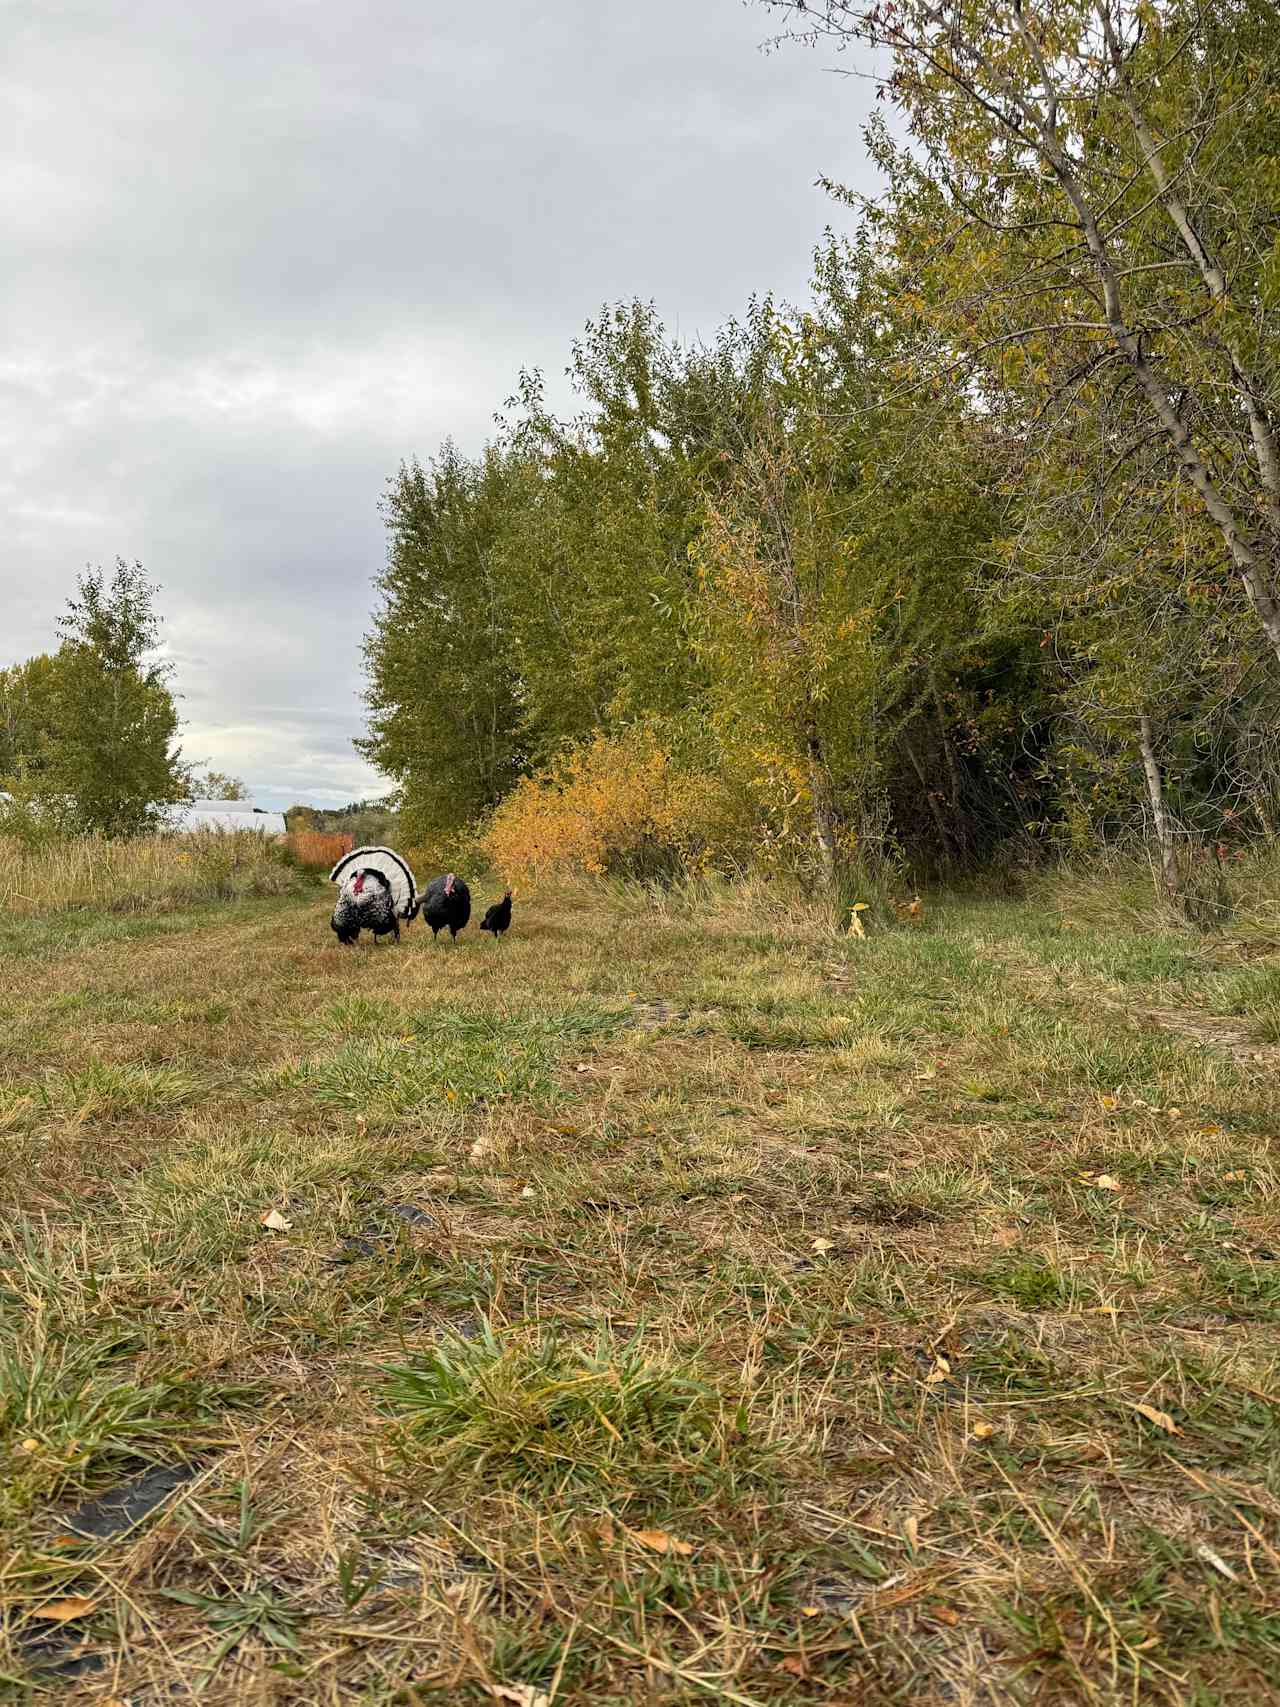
(191, 815)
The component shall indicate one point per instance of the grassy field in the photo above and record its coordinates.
(662, 1306)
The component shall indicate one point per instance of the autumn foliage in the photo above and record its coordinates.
(618, 805)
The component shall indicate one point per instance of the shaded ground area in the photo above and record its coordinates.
(650, 1308)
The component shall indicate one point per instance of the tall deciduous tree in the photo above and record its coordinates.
(113, 762)
(26, 715)
(217, 785)
(441, 668)
(1101, 182)
(598, 558)
(838, 607)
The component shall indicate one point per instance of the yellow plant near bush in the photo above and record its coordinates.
(618, 804)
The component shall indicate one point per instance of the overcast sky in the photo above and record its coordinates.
(262, 250)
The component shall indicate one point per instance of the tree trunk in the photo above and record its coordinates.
(1251, 390)
(824, 808)
(959, 830)
(931, 800)
(1169, 881)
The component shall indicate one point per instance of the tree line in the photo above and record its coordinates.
(976, 549)
(89, 732)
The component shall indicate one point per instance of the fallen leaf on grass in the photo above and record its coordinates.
(1005, 1236)
(480, 1149)
(275, 1221)
(982, 1431)
(658, 1541)
(1161, 1419)
(946, 1615)
(1236, 1175)
(911, 1530)
(528, 1192)
(519, 1694)
(822, 1246)
(29, 1446)
(810, 1611)
(941, 1369)
(1205, 1552)
(796, 1664)
(1102, 1182)
(60, 1611)
(1107, 1102)
(896, 1592)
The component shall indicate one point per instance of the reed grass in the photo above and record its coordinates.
(150, 873)
(318, 850)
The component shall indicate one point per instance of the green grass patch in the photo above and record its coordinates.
(103, 1090)
(555, 1415)
(397, 1063)
(848, 1265)
(50, 936)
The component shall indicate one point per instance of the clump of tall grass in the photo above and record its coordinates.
(546, 1412)
(149, 872)
(1236, 889)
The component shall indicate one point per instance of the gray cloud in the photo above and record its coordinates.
(268, 250)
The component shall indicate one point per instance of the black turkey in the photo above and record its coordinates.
(498, 917)
(376, 893)
(365, 903)
(446, 902)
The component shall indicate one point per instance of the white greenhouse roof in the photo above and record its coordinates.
(226, 815)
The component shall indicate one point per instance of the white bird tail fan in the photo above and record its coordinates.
(404, 891)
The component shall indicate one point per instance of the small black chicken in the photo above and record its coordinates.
(498, 917)
(446, 901)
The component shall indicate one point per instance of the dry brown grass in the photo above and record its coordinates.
(145, 874)
(807, 1254)
(318, 850)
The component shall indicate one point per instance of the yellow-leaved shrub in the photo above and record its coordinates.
(619, 805)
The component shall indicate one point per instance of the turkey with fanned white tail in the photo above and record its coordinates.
(364, 904)
(376, 891)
